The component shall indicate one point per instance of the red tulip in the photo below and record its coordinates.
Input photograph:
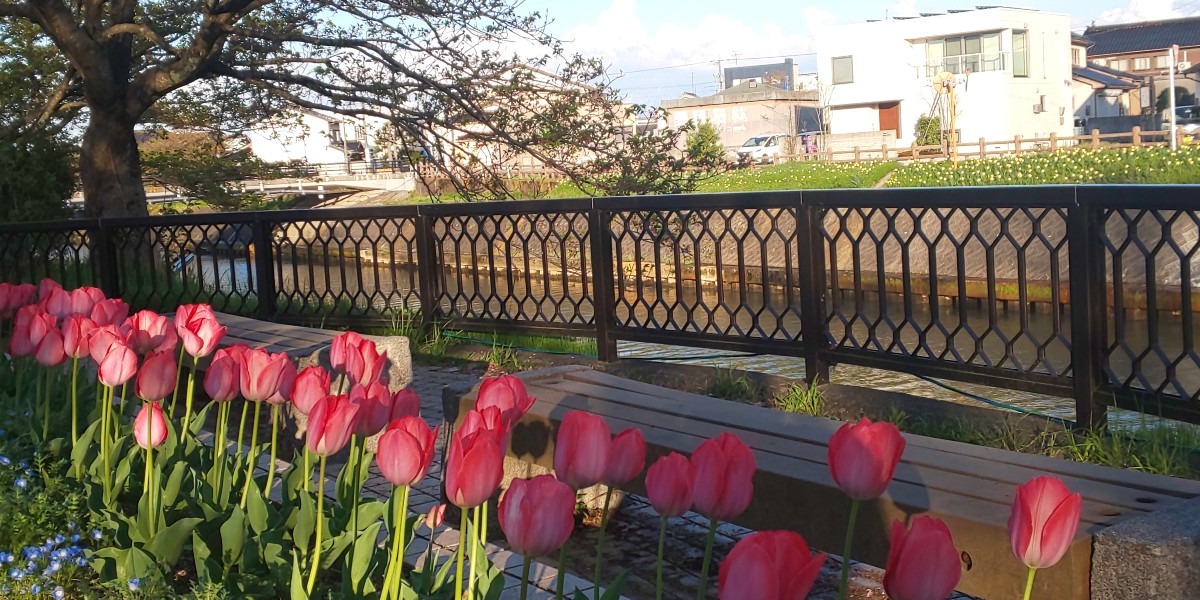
(581, 449)
(198, 329)
(488, 418)
(474, 467)
(506, 393)
(626, 458)
(29, 327)
(340, 346)
(669, 485)
(100, 339)
(722, 477)
(117, 365)
(769, 565)
(374, 403)
(405, 451)
(330, 424)
(1045, 516)
(863, 456)
(157, 378)
(94, 295)
(923, 563)
(150, 332)
(287, 380)
(405, 403)
(222, 380)
(357, 358)
(47, 286)
(49, 351)
(112, 311)
(76, 330)
(57, 303)
(153, 433)
(435, 517)
(312, 384)
(83, 299)
(262, 373)
(14, 296)
(537, 515)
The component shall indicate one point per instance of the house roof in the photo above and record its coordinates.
(1143, 36)
(746, 91)
(1090, 73)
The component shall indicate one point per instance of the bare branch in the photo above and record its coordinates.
(139, 30)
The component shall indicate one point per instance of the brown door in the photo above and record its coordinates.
(889, 117)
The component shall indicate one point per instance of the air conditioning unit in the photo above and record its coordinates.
(1040, 107)
(1183, 66)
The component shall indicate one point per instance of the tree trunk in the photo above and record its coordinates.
(109, 167)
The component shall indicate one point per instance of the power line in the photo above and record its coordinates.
(709, 62)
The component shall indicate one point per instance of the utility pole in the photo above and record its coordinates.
(1172, 53)
(720, 76)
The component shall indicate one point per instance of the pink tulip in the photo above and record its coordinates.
(198, 329)
(923, 563)
(626, 458)
(474, 467)
(101, 338)
(46, 287)
(117, 365)
(581, 449)
(312, 384)
(222, 380)
(157, 378)
(374, 402)
(57, 303)
(14, 296)
(153, 433)
(357, 358)
(339, 348)
(669, 485)
(405, 403)
(506, 393)
(49, 351)
(94, 295)
(769, 565)
(435, 517)
(863, 457)
(150, 332)
(537, 515)
(722, 477)
(330, 424)
(83, 300)
(262, 374)
(287, 380)
(1045, 516)
(76, 330)
(405, 451)
(29, 327)
(112, 311)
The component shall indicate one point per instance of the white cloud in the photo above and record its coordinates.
(1140, 10)
(903, 8)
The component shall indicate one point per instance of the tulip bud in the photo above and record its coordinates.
(435, 517)
(330, 424)
(508, 394)
(863, 457)
(198, 329)
(537, 515)
(1044, 519)
(112, 311)
(76, 330)
(626, 458)
(581, 449)
(922, 563)
(262, 374)
(769, 565)
(49, 351)
(118, 365)
(222, 380)
(722, 477)
(669, 485)
(149, 426)
(157, 378)
(406, 451)
(312, 384)
(150, 332)
(474, 467)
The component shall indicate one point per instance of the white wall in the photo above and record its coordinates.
(304, 138)
(854, 119)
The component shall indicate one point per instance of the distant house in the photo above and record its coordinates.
(314, 137)
(1142, 49)
(781, 75)
(1010, 68)
(1101, 92)
(747, 110)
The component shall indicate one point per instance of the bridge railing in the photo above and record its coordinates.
(1085, 292)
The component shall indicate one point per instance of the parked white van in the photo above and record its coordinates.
(762, 148)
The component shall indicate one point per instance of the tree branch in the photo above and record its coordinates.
(13, 9)
(139, 30)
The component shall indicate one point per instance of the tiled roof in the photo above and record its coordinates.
(1144, 36)
(1104, 79)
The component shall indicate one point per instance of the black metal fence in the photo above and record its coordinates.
(1084, 292)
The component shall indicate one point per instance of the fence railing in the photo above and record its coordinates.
(1083, 292)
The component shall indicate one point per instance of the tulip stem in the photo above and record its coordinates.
(475, 529)
(708, 548)
(395, 571)
(121, 407)
(458, 569)
(307, 467)
(274, 443)
(175, 392)
(658, 571)
(242, 427)
(600, 543)
(106, 444)
(356, 454)
(187, 401)
(561, 583)
(844, 582)
(524, 577)
(251, 455)
(74, 402)
(219, 449)
(316, 562)
(46, 410)
(1029, 583)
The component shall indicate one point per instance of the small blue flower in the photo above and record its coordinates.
(96, 535)
(31, 565)
(81, 561)
(71, 525)
(74, 537)
(59, 593)
(60, 538)
(134, 584)
(61, 553)
(21, 483)
(55, 566)
(35, 589)
(15, 573)
(4, 588)
(6, 461)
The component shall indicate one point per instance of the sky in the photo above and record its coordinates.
(659, 49)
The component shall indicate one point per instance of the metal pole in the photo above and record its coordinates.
(1171, 90)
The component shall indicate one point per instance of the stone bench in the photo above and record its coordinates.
(970, 487)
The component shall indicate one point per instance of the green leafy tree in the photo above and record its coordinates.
(929, 130)
(1182, 98)
(205, 172)
(704, 145)
(39, 177)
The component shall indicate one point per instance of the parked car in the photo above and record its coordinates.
(761, 148)
(1187, 118)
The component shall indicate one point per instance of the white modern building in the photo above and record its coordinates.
(1010, 69)
(314, 137)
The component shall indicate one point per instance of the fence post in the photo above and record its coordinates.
(1017, 145)
(1088, 320)
(1137, 136)
(887, 155)
(427, 270)
(813, 328)
(856, 155)
(913, 152)
(603, 294)
(264, 267)
(982, 148)
(1095, 139)
(1053, 141)
(106, 260)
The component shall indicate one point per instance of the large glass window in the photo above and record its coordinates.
(960, 54)
(1020, 54)
(843, 69)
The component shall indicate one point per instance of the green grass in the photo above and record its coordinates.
(802, 399)
(729, 385)
(1125, 165)
(806, 175)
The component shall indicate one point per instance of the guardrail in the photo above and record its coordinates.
(1084, 292)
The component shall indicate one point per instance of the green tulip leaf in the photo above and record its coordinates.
(297, 585)
(613, 590)
(233, 538)
(136, 564)
(333, 548)
(170, 491)
(306, 525)
(256, 509)
(168, 544)
(364, 550)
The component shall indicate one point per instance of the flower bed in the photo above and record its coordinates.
(105, 439)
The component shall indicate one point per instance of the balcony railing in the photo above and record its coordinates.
(979, 62)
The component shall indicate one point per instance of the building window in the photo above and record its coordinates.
(974, 53)
(1141, 64)
(1162, 62)
(1120, 65)
(1020, 54)
(843, 69)
(1077, 55)
(1101, 61)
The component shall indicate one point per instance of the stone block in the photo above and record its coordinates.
(1152, 556)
